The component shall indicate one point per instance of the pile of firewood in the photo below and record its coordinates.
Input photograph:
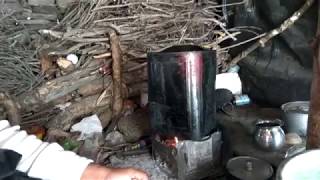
(108, 40)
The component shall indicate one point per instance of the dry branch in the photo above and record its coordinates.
(55, 89)
(88, 105)
(95, 87)
(145, 25)
(117, 101)
(284, 26)
(85, 106)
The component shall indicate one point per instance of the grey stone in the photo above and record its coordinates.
(91, 146)
(135, 126)
(114, 138)
(105, 117)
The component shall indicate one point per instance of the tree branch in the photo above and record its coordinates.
(284, 26)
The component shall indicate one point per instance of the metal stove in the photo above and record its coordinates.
(182, 106)
(186, 159)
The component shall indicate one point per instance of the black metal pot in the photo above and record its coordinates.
(182, 92)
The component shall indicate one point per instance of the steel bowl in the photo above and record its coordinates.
(295, 116)
(269, 135)
(301, 166)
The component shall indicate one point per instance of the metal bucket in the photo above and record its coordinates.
(295, 116)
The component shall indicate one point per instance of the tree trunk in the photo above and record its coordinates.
(313, 137)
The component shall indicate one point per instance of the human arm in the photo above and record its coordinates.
(50, 161)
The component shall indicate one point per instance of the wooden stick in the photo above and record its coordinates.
(104, 55)
(142, 65)
(117, 101)
(87, 105)
(11, 107)
(313, 136)
(55, 89)
(284, 26)
(66, 119)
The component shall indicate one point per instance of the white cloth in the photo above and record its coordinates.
(230, 81)
(40, 159)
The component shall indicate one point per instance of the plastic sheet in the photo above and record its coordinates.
(282, 70)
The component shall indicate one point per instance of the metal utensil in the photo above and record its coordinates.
(249, 168)
(301, 166)
(295, 116)
(269, 135)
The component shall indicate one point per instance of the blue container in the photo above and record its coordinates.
(234, 69)
(241, 100)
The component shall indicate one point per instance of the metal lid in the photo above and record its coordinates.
(249, 168)
(298, 106)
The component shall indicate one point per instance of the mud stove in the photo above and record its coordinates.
(186, 143)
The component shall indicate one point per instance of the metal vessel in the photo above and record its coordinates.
(269, 135)
(249, 168)
(295, 116)
(181, 92)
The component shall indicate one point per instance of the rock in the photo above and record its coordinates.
(88, 127)
(65, 65)
(91, 146)
(114, 138)
(135, 126)
(105, 117)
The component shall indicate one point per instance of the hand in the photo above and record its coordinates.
(126, 174)
(96, 172)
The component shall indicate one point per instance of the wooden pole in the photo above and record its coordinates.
(117, 101)
(313, 136)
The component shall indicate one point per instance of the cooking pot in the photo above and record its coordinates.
(269, 135)
(295, 116)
